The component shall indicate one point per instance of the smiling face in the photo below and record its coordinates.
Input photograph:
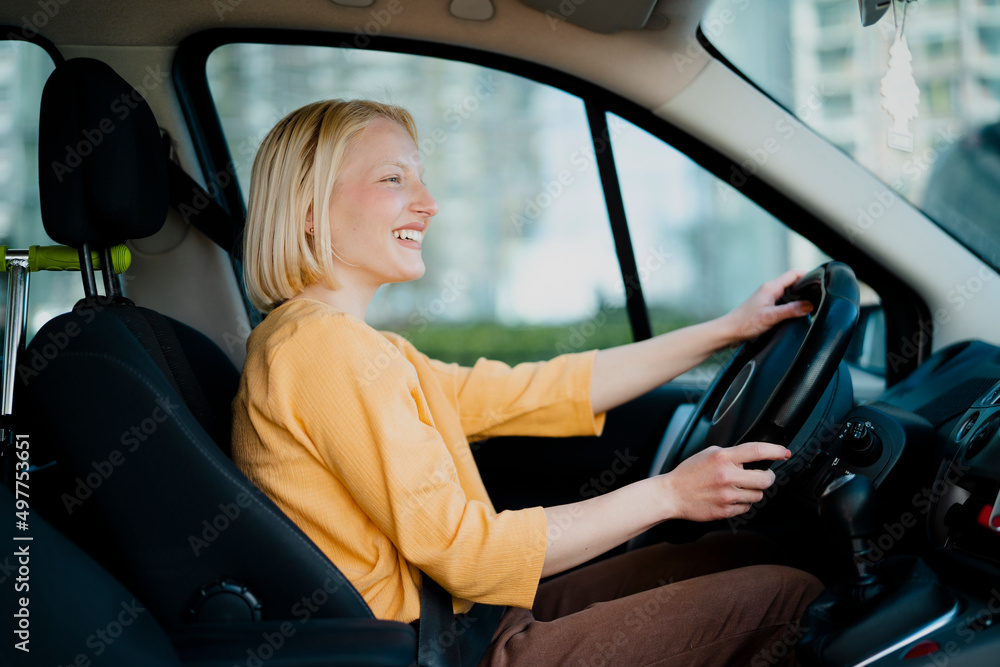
(379, 209)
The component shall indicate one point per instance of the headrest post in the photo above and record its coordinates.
(112, 288)
(87, 272)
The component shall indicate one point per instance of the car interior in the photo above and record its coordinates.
(607, 171)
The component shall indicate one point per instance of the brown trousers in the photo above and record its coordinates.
(665, 605)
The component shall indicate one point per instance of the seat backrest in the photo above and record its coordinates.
(133, 407)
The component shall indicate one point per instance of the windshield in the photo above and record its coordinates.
(815, 58)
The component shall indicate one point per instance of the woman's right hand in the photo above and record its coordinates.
(710, 485)
(713, 484)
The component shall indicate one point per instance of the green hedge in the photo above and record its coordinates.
(466, 342)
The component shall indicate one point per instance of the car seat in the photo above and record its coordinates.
(129, 416)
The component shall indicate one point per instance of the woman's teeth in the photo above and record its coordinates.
(409, 235)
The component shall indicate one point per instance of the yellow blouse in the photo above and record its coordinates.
(364, 443)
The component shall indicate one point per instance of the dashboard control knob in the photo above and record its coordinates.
(861, 445)
(967, 427)
(982, 437)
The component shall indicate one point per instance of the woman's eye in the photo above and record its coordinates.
(391, 179)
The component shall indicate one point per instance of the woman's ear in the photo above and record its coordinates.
(310, 228)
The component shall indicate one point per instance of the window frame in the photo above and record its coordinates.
(14, 33)
(905, 312)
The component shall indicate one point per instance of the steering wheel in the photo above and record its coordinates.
(771, 384)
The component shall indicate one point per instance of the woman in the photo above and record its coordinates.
(364, 442)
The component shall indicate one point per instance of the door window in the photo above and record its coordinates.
(521, 263)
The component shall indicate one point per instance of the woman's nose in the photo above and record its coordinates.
(425, 203)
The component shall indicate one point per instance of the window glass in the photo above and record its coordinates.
(520, 260)
(24, 68)
(701, 246)
(816, 59)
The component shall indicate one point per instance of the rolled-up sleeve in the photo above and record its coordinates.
(547, 399)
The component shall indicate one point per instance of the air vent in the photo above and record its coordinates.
(967, 427)
(991, 397)
(982, 437)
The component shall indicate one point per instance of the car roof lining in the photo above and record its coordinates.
(671, 57)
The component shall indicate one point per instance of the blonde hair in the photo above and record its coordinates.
(295, 168)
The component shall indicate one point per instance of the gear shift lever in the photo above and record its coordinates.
(847, 506)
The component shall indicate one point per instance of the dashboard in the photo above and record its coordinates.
(930, 448)
(958, 392)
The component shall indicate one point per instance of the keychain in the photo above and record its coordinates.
(900, 94)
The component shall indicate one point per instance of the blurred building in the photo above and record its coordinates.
(955, 46)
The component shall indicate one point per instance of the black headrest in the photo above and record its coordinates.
(102, 172)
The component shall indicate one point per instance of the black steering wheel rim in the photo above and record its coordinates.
(821, 344)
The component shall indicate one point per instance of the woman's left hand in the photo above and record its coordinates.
(759, 313)
(622, 373)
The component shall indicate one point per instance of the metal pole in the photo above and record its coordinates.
(13, 344)
(14, 334)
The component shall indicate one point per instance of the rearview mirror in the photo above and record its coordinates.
(873, 10)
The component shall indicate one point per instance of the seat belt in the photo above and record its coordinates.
(197, 207)
(447, 640)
